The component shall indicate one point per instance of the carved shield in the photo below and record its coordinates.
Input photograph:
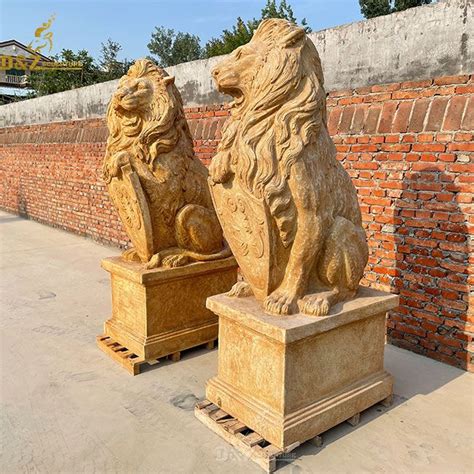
(250, 232)
(129, 199)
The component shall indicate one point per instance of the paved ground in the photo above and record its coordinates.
(67, 408)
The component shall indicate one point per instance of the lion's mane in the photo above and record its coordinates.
(150, 132)
(284, 112)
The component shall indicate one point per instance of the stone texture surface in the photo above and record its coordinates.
(65, 407)
(155, 181)
(288, 208)
(161, 311)
(292, 378)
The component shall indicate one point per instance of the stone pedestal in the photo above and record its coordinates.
(163, 311)
(290, 378)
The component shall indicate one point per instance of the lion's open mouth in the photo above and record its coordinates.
(238, 96)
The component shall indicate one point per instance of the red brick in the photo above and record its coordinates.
(346, 119)
(386, 119)
(461, 147)
(418, 115)
(429, 147)
(378, 97)
(341, 93)
(359, 119)
(468, 120)
(454, 113)
(372, 119)
(442, 81)
(468, 89)
(334, 117)
(416, 84)
(400, 124)
(463, 137)
(436, 115)
(386, 87)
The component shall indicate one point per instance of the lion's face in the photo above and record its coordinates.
(133, 94)
(234, 75)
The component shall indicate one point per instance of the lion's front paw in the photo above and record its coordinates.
(281, 302)
(219, 170)
(114, 167)
(315, 305)
(240, 290)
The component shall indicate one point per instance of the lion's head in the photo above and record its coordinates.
(145, 115)
(279, 108)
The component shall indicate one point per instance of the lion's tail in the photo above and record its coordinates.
(203, 257)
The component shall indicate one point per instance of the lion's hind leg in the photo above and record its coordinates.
(198, 230)
(131, 255)
(198, 235)
(340, 267)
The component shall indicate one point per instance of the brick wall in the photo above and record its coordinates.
(407, 146)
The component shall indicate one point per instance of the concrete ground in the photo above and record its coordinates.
(67, 408)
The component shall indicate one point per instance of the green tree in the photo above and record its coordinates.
(109, 63)
(283, 10)
(400, 5)
(172, 47)
(373, 8)
(242, 32)
(57, 80)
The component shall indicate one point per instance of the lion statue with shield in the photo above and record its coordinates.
(155, 181)
(288, 208)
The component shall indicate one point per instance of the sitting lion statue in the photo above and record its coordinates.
(167, 208)
(276, 160)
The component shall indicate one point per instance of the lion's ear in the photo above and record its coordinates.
(168, 80)
(293, 37)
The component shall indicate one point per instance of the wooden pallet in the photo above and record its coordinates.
(130, 361)
(247, 441)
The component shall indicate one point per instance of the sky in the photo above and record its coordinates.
(85, 24)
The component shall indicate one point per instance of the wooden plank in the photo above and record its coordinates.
(210, 408)
(387, 402)
(203, 404)
(354, 420)
(112, 349)
(226, 422)
(264, 457)
(175, 357)
(118, 348)
(316, 441)
(253, 439)
(210, 345)
(218, 415)
(130, 361)
(237, 427)
(272, 451)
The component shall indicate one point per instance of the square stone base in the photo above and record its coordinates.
(290, 378)
(162, 311)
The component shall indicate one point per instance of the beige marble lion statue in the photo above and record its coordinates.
(288, 208)
(154, 179)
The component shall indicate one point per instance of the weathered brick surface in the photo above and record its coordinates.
(408, 148)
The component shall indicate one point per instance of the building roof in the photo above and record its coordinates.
(13, 42)
(14, 91)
